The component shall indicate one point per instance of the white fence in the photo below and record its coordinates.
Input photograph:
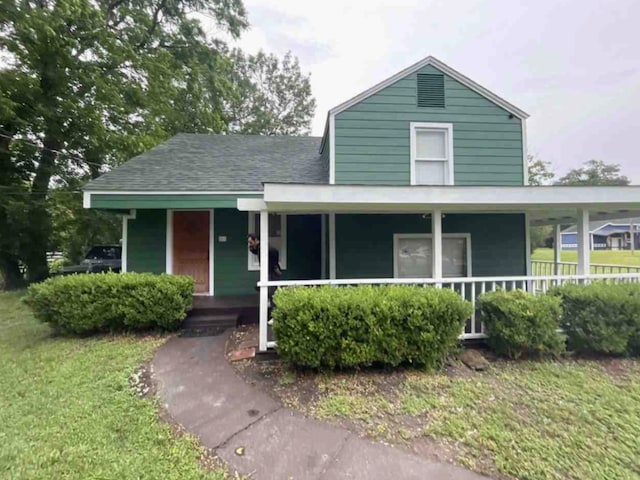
(548, 267)
(469, 288)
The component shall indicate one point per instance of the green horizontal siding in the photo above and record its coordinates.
(364, 243)
(146, 241)
(232, 277)
(304, 243)
(116, 201)
(487, 143)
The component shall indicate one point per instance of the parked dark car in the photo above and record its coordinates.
(99, 259)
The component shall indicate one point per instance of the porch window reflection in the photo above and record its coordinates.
(413, 254)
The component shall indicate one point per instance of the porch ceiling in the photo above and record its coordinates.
(544, 204)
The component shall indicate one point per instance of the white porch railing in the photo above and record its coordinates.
(469, 289)
(548, 267)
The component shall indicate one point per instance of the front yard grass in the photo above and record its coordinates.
(67, 409)
(571, 419)
(608, 257)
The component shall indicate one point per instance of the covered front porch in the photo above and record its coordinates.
(442, 257)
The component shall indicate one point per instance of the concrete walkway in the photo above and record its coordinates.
(201, 391)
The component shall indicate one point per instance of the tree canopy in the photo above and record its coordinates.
(273, 96)
(539, 171)
(595, 172)
(87, 84)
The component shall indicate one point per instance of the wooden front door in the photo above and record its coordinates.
(191, 247)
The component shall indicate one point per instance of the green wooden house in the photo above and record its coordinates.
(419, 179)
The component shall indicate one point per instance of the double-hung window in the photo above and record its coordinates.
(277, 237)
(431, 153)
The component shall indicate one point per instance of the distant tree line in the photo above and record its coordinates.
(591, 173)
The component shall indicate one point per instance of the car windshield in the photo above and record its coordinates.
(104, 253)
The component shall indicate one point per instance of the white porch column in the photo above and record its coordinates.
(436, 237)
(264, 277)
(584, 252)
(557, 249)
(125, 241)
(332, 246)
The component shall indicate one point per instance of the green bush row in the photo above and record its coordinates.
(328, 327)
(601, 318)
(87, 303)
(518, 323)
(595, 318)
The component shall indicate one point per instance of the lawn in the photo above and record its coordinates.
(518, 420)
(67, 409)
(609, 257)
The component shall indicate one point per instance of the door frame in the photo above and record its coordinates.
(169, 243)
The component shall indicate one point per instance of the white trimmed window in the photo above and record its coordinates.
(412, 255)
(431, 153)
(277, 237)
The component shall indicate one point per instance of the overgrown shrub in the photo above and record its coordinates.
(87, 303)
(600, 318)
(519, 323)
(330, 327)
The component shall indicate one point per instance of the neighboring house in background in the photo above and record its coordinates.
(605, 235)
(421, 178)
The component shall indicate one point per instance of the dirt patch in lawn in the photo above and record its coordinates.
(141, 381)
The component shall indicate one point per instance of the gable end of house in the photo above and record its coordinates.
(371, 138)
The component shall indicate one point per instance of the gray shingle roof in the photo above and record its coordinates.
(200, 162)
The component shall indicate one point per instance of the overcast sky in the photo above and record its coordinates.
(574, 66)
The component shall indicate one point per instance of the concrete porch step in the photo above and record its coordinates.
(201, 321)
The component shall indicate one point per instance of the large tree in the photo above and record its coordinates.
(595, 172)
(87, 84)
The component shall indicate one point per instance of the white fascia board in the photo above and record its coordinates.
(443, 68)
(172, 192)
(251, 204)
(481, 197)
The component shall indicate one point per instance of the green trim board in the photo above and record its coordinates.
(166, 201)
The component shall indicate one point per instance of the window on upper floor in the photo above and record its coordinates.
(431, 153)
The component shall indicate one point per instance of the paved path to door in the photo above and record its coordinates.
(202, 392)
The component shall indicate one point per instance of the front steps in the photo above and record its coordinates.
(212, 315)
(208, 324)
